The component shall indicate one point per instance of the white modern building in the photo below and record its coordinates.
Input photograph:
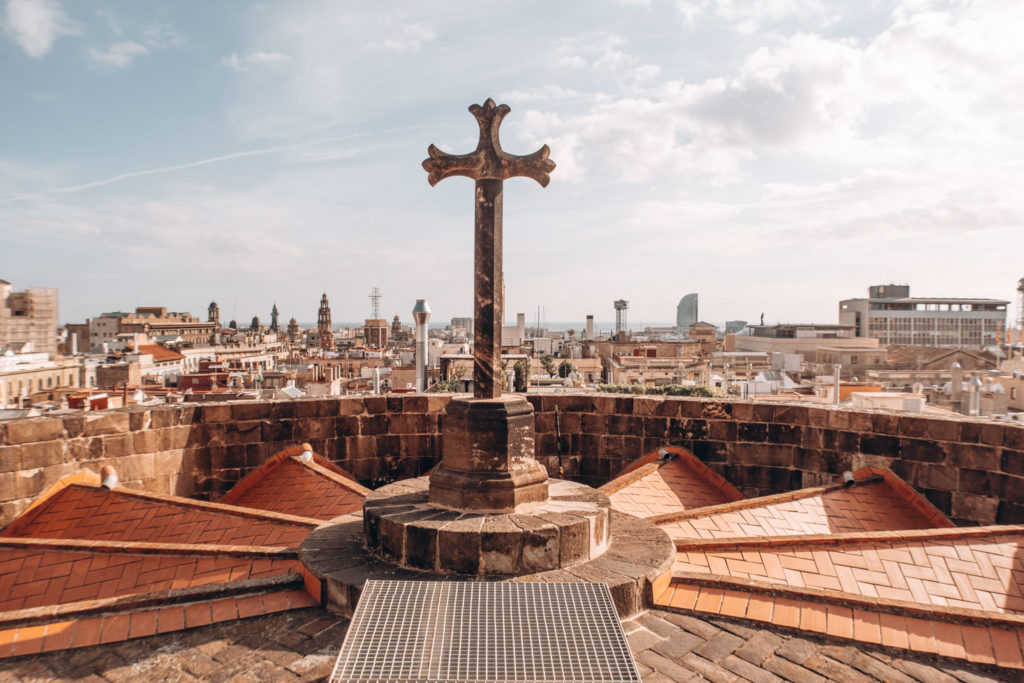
(892, 316)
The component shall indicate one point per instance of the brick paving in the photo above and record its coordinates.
(295, 488)
(679, 647)
(300, 645)
(95, 513)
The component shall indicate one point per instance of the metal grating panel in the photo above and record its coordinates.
(460, 631)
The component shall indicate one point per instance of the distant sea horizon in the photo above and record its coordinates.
(599, 325)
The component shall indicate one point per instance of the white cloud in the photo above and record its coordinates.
(544, 93)
(119, 55)
(36, 24)
(408, 38)
(254, 60)
(749, 16)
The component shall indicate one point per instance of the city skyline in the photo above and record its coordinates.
(776, 158)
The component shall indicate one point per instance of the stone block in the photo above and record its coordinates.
(374, 424)
(118, 446)
(1013, 437)
(922, 450)
(1011, 462)
(501, 546)
(976, 509)
(458, 545)
(277, 431)
(668, 407)
(943, 500)
(33, 430)
(42, 454)
(540, 544)
(752, 431)
(350, 406)
(139, 418)
(938, 477)
(85, 449)
(689, 407)
(655, 427)
(164, 416)
(179, 437)
(10, 459)
(593, 423)
(544, 422)
(216, 413)
(106, 422)
(242, 433)
(876, 444)
(785, 434)
(784, 414)
(625, 425)
(375, 405)
(573, 537)
(982, 432)
(147, 441)
(167, 463)
(977, 456)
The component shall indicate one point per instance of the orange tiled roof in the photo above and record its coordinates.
(92, 512)
(161, 354)
(878, 502)
(318, 489)
(33, 576)
(649, 487)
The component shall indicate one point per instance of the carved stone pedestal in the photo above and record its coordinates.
(487, 458)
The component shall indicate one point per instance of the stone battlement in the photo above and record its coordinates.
(971, 470)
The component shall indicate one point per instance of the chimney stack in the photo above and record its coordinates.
(421, 314)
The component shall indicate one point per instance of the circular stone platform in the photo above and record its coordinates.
(635, 567)
(403, 527)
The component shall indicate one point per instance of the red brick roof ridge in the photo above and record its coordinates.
(342, 480)
(747, 503)
(224, 508)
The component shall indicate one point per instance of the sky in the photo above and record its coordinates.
(774, 156)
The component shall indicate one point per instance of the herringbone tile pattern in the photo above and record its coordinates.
(867, 507)
(294, 489)
(32, 577)
(93, 513)
(973, 573)
(673, 487)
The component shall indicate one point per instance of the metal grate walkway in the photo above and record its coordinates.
(458, 631)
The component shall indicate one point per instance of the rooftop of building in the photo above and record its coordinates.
(861, 578)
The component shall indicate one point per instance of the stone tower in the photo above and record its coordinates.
(323, 324)
(293, 330)
(273, 318)
(213, 313)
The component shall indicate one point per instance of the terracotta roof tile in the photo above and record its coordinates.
(35, 577)
(91, 512)
(308, 490)
(883, 504)
(650, 487)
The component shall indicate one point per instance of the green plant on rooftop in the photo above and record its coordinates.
(667, 390)
(547, 361)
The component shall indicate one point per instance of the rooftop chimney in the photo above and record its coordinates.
(421, 314)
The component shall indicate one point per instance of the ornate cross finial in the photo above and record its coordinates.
(489, 161)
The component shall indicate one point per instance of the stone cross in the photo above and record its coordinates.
(489, 165)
